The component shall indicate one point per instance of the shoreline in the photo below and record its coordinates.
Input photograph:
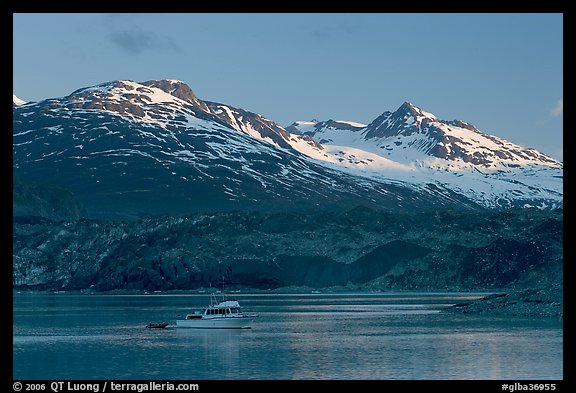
(505, 302)
(532, 302)
(297, 290)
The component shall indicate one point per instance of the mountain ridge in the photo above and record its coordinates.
(401, 158)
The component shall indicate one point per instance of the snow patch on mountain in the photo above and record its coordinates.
(17, 101)
(352, 123)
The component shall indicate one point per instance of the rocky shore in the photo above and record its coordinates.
(541, 302)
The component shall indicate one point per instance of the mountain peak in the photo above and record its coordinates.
(407, 108)
(127, 97)
(406, 119)
(175, 88)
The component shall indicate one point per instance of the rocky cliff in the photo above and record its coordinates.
(366, 248)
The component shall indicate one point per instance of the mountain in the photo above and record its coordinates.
(412, 146)
(454, 141)
(127, 149)
(144, 186)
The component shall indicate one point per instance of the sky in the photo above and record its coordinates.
(502, 72)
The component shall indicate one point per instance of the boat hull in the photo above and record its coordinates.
(216, 323)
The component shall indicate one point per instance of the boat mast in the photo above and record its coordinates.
(213, 300)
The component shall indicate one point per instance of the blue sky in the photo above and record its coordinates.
(501, 72)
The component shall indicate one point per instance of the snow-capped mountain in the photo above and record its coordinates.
(414, 146)
(454, 141)
(155, 148)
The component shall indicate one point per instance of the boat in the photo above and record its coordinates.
(157, 325)
(220, 314)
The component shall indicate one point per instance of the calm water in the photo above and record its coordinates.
(304, 336)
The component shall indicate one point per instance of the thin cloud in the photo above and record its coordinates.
(558, 109)
(137, 41)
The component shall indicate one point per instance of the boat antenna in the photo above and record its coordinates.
(213, 300)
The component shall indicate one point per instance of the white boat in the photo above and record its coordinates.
(223, 314)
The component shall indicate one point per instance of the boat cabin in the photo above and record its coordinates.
(221, 311)
(225, 308)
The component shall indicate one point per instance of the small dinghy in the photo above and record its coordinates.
(157, 325)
